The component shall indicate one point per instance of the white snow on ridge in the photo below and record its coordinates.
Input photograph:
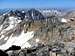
(64, 20)
(13, 21)
(19, 41)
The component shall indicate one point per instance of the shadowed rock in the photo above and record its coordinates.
(13, 47)
(3, 53)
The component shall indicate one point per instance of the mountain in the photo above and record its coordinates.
(14, 28)
(26, 28)
(70, 14)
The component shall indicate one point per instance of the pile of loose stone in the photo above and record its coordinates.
(56, 49)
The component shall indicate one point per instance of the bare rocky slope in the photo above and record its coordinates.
(34, 27)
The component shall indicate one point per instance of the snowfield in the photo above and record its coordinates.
(18, 41)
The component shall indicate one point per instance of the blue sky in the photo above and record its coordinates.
(37, 3)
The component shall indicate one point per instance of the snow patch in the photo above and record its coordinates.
(64, 20)
(19, 41)
(37, 40)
